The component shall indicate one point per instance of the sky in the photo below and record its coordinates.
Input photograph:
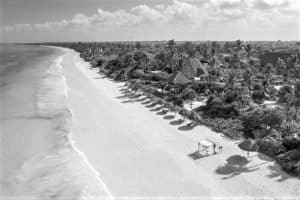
(137, 20)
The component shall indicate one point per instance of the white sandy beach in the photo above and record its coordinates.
(140, 153)
(118, 146)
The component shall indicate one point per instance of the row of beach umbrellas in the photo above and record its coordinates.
(247, 145)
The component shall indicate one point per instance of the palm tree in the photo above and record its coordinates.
(248, 49)
(297, 96)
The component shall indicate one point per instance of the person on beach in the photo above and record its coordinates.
(220, 148)
(214, 148)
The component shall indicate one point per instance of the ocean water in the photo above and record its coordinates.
(39, 160)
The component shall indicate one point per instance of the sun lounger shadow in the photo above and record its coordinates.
(177, 122)
(168, 117)
(197, 155)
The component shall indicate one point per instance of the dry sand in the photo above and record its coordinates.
(141, 152)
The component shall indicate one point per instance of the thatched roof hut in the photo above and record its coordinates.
(192, 67)
(178, 77)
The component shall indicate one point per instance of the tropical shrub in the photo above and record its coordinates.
(284, 94)
(216, 108)
(232, 128)
(290, 161)
(270, 146)
(188, 94)
(291, 142)
(261, 121)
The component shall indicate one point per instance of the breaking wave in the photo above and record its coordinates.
(63, 171)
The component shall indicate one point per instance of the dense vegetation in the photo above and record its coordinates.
(252, 89)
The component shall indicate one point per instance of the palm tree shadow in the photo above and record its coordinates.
(234, 166)
(233, 170)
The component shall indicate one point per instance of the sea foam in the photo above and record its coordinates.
(63, 171)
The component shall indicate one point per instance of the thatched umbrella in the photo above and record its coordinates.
(169, 105)
(164, 103)
(176, 109)
(185, 113)
(158, 100)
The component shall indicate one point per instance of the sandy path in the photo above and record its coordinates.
(140, 154)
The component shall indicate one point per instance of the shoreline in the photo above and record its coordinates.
(99, 184)
(58, 169)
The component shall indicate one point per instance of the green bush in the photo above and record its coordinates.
(284, 93)
(216, 108)
(290, 162)
(270, 146)
(291, 142)
(232, 128)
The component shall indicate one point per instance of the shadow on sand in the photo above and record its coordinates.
(162, 112)
(197, 155)
(129, 96)
(177, 122)
(276, 172)
(236, 165)
(187, 127)
(155, 109)
(168, 117)
(150, 105)
(146, 102)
